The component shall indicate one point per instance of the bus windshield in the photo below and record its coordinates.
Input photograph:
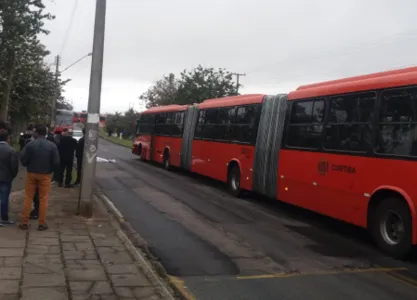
(63, 118)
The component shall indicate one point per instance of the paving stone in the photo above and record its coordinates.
(9, 297)
(9, 243)
(94, 297)
(107, 297)
(11, 261)
(90, 288)
(101, 288)
(44, 241)
(148, 293)
(43, 234)
(84, 246)
(46, 280)
(11, 252)
(68, 247)
(82, 264)
(122, 269)
(129, 280)
(46, 258)
(80, 287)
(74, 238)
(9, 286)
(44, 294)
(116, 249)
(42, 249)
(125, 292)
(107, 242)
(44, 268)
(75, 226)
(91, 274)
(116, 258)
(90, 254)
(10, 273)
(72, 232)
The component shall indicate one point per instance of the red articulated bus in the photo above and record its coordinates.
(338, 148)
(159, 132)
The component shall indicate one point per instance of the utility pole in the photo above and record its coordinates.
(85, 201)
(55, 95)
(237, 80)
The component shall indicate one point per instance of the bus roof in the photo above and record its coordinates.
(389, 79)
(232, 101)
(166, 108)
(64, 111)
(361, 77)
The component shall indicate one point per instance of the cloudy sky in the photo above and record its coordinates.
(279, 44)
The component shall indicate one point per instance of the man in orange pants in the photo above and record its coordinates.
(41, 159)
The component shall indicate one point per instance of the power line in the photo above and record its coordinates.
(354, 49)
(67, 32)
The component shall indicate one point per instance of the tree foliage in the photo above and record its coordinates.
(163, 92)
(193, 86)
(119, 123)
(27, 85)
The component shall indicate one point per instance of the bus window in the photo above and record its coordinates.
(397, 123)
(305, 127)
(349, 126)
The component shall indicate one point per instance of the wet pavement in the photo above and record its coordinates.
(218, 247)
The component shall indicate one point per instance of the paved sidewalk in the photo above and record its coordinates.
(75, 259)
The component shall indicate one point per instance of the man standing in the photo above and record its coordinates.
(9, 167)
(79, 154)
(41, 159)
(66, 147)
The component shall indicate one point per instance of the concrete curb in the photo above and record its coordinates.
(149, 264)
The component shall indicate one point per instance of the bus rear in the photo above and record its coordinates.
(159, 135)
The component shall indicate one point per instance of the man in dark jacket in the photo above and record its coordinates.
(66, 147)
(79, 154)
(9, 167)
(41, 159)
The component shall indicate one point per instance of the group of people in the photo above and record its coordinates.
(48, 158)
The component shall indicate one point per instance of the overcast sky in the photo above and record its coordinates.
(280, 44)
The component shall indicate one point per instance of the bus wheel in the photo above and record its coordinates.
(167, 165)
(392, 227)
(234, 181)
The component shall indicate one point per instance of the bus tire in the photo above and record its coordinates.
(233, 181)
(167, 164)
(392, 227)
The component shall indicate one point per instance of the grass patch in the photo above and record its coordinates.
(122, 142)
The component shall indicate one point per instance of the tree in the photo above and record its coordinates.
(201, 84)
(20, 23)
(113, 124)
(63, 103)
(33, 86)
(193, 86)
(122, 124)
(163, 92)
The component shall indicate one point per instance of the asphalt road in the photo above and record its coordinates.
(217, 247)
